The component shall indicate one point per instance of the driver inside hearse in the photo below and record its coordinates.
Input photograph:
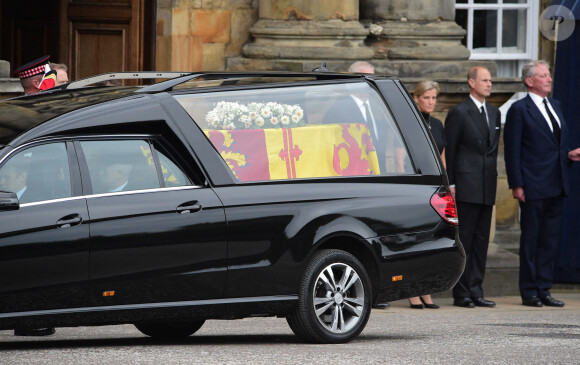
(14, 178)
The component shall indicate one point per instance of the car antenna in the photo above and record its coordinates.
(322, 68)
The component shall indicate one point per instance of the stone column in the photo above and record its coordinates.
(415, 30)
(417, 39)
(308, 30)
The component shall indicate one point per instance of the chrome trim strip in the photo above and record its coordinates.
(29, 143)
(43, 202)
(151, 305)
(133, 192)
(123, 76)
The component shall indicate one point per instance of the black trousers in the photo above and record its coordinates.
(474, 225)
(541, 222)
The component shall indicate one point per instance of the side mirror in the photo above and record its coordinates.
(8, 201)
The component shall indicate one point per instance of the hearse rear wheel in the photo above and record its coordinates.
(334, 299)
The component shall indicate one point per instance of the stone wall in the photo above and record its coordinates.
(198, 35)
(9, 87)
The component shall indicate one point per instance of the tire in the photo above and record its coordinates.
(334, 299)
(169, 331)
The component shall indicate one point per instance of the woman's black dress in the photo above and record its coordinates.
(436, 127)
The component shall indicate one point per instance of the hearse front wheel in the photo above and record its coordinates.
(334, 299)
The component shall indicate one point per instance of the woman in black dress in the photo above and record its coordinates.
(425, 95)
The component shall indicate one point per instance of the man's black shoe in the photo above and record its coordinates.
(463, 302)
(34, 331)
(381, 306)
(532, 302)
(551, 302)
(481, 302)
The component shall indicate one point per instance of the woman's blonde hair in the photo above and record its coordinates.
(423, 86)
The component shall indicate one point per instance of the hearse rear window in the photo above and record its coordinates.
(301, 132)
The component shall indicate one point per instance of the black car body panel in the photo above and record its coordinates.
(211, 245)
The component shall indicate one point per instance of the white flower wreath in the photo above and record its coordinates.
(233, 115)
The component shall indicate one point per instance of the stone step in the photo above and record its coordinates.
(508, 238)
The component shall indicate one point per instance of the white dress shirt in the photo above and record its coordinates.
(539, 101)
(19, 194)
(363, 110)
(479, 105)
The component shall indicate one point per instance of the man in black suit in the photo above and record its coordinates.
(361, 106)
(356, 105)
(472, 130)
(536, 158)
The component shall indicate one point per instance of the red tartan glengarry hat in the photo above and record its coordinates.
(33, 68)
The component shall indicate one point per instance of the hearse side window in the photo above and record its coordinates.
(172, 175)
(37, 173)
(120, 165)
(301, 132)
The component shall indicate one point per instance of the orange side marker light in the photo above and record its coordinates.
(110, 293)
(398, 278)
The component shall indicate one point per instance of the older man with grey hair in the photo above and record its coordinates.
(536, 158)
(362, 67)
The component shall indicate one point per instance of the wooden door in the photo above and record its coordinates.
(29, 30)
(106, 36)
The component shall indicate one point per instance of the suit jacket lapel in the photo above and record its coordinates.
(539, 119)
(478, 120)
(493, 133)
(563, 127)
(495, 121)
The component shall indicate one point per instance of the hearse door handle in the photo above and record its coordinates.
(69, 221)
(189, 207)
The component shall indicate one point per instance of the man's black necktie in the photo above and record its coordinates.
(484, 116)
(555, 125)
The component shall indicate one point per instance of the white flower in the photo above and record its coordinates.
(298, 111)
(295, 118)
(278, 109)
(265, 113)
(259, 121)
(274, 121)
(285, 120)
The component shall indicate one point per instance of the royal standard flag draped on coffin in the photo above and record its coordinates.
(302, 152)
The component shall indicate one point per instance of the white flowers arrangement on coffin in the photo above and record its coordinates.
(232, 115)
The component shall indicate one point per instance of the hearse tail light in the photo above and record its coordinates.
(444, 205)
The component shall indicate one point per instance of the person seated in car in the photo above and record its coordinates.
(14, 178)
(115, 177)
